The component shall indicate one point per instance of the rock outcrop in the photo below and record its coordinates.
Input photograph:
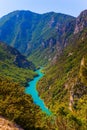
(8, 125)
(81, 22)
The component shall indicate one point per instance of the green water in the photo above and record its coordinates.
(31, 89)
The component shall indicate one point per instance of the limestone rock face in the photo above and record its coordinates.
(8, 125)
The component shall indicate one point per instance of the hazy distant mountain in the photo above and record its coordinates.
(33, 33)
(41, 37)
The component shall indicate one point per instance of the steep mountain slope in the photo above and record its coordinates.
(33, 34)
(64, 87)
(67, 68)
(14, 65)
(69, 65)
(16, 57)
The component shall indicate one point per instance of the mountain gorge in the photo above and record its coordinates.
(59, 43)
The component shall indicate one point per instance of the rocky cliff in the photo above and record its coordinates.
(81, 22)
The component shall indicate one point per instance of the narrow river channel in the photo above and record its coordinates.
(31, 89)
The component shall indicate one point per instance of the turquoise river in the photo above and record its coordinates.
(31, 89)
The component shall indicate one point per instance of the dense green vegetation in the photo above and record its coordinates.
(17, 106)
(65, 80)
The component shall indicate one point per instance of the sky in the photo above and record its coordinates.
(71, 7)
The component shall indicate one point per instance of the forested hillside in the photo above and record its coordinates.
(64, 87)
(14, 66)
